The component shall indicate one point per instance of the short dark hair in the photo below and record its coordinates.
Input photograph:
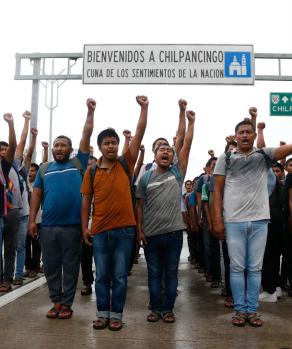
(245, 122)
(159, 139)
(109, 132)
(288, 162)
(3, 144)
(188, 181)
(65, 137)
(209, 162)
(161, 145)
(277, 164)
(34, 165)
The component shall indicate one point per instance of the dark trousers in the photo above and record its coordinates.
(86, 264)
(215, 257)
(11, 223)
(226, 268)
(201, 250)
(191, 237)
(33, 252)
(61, 247)
(271, 263)
(287, 253)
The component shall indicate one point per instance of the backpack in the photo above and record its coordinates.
(124, 164)
(145, 179)
(74, 161)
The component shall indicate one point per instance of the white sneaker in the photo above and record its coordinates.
(267, 297)
(278, 292)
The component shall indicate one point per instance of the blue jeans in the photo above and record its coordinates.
(246, 246)
(20, 246)
(112, 252)
(162, 254)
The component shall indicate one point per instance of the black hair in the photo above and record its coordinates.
(65, 137)
(91, 157)
(109, 132)
(34, 165)
(244, 122)
(159, 139)
(188, 181)
(161, 145)
(288, 162)
(277, 164)
(209, 162)
(3, 144)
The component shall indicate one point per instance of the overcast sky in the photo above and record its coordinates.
(62, 26)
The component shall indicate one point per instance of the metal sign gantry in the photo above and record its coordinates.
(39, 60)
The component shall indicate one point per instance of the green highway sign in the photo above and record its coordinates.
(280, 104)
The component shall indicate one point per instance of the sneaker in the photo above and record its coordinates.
(268, 297)
(278, 292)
(18, 281)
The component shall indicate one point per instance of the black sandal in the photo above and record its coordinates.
(153, 317)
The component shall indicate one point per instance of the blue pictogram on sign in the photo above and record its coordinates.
(237, 64)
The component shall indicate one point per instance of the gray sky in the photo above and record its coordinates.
(63, 26)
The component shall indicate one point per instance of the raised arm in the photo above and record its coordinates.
(139, 161)
(261, 140)
(141, 126)
(283, 151)
(181, 130)
(128, 137)
(185, 151)
(9, 156)
(45, 146)
(88, 126)
(31, 148)
(253, 112)
(23, 137)
(217, 206)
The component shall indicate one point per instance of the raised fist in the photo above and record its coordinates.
(282, 143)
(91, 104)
(27, 114)
(253, 112)
(191, 116)
(211, 153)
(182, 104)
(127, 134)
(230, 139)
(261, 125)
(142, 101)
(142, 148)
(34, 131)
(45, 144)
(8, 117)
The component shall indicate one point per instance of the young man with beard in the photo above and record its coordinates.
(57, 186)
(112, 232)
(160, 224)
(241, 192)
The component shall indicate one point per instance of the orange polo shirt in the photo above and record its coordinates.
(112, 201)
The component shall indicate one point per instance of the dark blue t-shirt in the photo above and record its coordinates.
(61, 202)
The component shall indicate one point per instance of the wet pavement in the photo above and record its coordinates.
(202, 321)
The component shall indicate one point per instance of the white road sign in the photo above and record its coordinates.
(168, 64)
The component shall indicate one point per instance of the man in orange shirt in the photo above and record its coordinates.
(113, 222)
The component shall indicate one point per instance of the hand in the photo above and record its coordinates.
(142, 148)
(8, 117)
(141, 239)
(261, 125)
(182, 105)
(194, 227)
(282, 143)
(253, 112)
(211, 153)
(218, 228)
(191, 116)
(230, 139)
(127, 134)
(27, 115)
(34, 131)
(32, 230)
(45, 145)
(142, 101)
(91, 104)
(87, 237)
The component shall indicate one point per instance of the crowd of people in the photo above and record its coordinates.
(74, 209)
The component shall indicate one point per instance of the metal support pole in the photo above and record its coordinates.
(35, 96)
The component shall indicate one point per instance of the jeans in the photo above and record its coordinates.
(112, 252)
(61, 249)
(246, 246)
(20, 246)
(162, 254)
